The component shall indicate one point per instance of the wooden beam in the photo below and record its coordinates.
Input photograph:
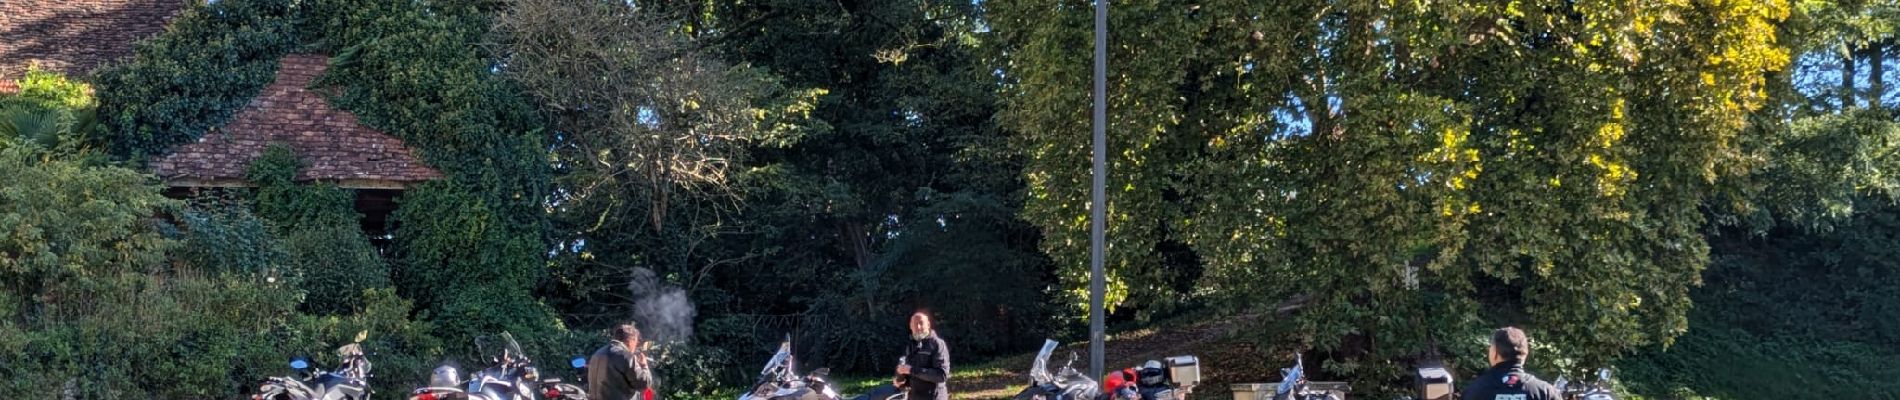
(238, 183)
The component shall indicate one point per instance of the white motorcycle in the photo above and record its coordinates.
(510, 376)
(1294, 385)
(346, 383)
(780, 381)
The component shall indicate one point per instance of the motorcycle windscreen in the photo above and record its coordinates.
(1039, 372)
(778, 358)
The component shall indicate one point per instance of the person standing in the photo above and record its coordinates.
(924, 373)
(619, 370)
(1506, 380)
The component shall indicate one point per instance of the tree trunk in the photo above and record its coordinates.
(1876, 68)
(1847, 77)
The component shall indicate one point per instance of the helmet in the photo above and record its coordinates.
(1152, 374)
(445, 376)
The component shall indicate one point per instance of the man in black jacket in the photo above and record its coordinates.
(925, 370)
(619, 370)
(1506, 380)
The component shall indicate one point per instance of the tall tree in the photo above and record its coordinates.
(900, 195)
(649, 130)
(1415, 172)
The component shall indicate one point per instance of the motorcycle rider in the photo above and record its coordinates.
(619, 370)
(925, 372)
(1506, 380)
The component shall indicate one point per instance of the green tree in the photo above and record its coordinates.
(1411, 174)
(649, 130)
(899, 195)
(1802, 268)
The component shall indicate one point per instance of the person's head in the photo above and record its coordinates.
(919, 325)
(1509, 344)
(627, 334)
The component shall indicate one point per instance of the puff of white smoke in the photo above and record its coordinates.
(663, 312)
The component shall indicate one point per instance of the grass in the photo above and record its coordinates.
(983, 381)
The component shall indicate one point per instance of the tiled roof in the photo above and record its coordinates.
(8, 86)
(75, 36)
(335, 147)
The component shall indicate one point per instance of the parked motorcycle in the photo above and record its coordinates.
(348, 382)
(780, 381)
(1599, 390)
(1154, 380)
(510, 376)
(1294, 385)
(1063, 384)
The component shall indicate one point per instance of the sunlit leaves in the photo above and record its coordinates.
(1543, 161)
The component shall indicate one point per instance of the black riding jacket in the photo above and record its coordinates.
(929, 361)
(1508, 381)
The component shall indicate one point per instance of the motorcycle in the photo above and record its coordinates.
(1063, 384)
(1294, 385)
(780, 381)
(510, 376)
(1599, 390)
(1154, 380)
(346, 383)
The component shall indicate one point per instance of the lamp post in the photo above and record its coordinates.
(1099, 206)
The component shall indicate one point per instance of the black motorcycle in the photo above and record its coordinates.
(510, 376)
(1599, 390)
(1062, 384)
(780, 381)
(1154, 380)
(348, 382)
(1294, 385)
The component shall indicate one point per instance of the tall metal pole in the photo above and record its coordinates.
(1100, 205)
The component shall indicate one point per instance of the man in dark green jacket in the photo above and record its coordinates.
(619, 370)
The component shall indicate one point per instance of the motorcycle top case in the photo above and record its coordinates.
(1434, 383)
(1253, 391)
(1184, 370)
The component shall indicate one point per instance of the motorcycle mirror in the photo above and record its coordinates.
(299, 364)
(578, 362)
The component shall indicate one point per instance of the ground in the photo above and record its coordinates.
(1227, 357)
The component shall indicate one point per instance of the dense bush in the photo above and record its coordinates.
(468, 249)
(51, 112)
(1791, 314)
(402, 351)
(66, 228)
(333, 259)
(92, 307)
(220, 234)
